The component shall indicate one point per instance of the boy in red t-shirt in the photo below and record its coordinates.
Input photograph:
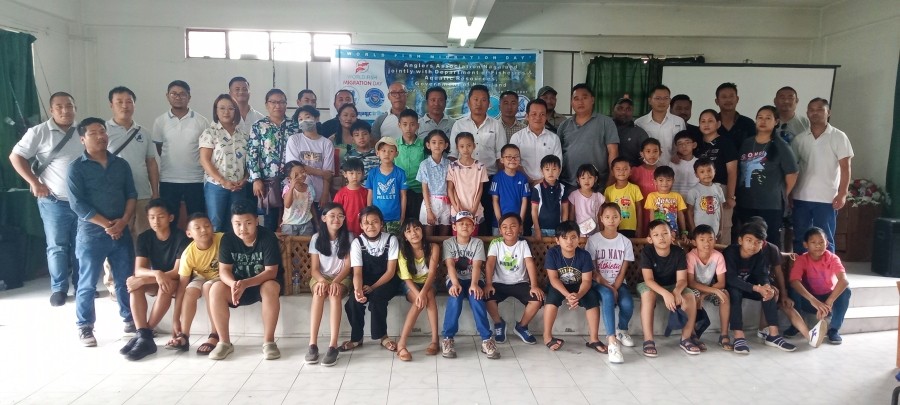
(819, 285)
(352, 196)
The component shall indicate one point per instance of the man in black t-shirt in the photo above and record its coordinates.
(156, 273)
(250, 271)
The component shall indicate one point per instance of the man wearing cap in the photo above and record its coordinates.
(388, 124)
(630, 136)
(48, 183)
(660, 123)
(509, 108)
(554, 119)
(102, 194)
(681, 106)
(587, 137)
(434, 118)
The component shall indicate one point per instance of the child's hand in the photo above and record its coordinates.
(237, 290)
(822, 310)
(615, 292)
(572, 300)
(166, 285)
(420, 300)
(454, 290)
(537, 293)
(335, 289)
(785, 302)
(133, 283)
(476, 291)
(360, 296)
(669, 299)
(793, 256)
(679, 300)
(367, 289)
(489, 290)
(432, 219)
(724, 296)
(321, 288)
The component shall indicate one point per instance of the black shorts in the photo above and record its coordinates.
(588, 301)
(252, 295)
(520, 291)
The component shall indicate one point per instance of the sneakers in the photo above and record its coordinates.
(331, 357)
(779, 342)
(489, 347)
(834, 337)
(57, 299)
(86, 335)
(791, 332)
(143, 347)
(447, 349)
(624, 338)
(130, 329)
(815, 334)
(271, 352)
(500, 331)
(221, 351)
(312, 356)
(128, 346)
(523, 333)
(615, 354)
(762, 333)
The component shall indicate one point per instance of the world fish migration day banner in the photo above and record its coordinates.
(367, 71)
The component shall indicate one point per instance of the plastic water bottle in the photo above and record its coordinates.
(295, 282)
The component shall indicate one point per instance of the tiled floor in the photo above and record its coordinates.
(42, 363)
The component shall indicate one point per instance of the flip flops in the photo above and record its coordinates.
(555, 342)
(598, 346)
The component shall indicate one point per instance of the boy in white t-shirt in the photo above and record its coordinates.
(510, 272)
(706, 275)
(706, 199)
(684, 169)
(611, 252)
(316, 152)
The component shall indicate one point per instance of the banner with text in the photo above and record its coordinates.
(367, 71)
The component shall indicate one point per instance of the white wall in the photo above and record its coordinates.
(864, 37)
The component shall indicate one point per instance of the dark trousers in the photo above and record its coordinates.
(190, 193)
(377, 302)
(413, 204)
(769, 308)
(487, 202)
(774, 222)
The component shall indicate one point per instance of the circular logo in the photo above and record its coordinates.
(374, 97)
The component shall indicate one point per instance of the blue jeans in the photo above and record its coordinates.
(808, 214)
(626, 307)
(838, 309)
(218, 205)
(454, 309)
(93, 246)
(60, 226)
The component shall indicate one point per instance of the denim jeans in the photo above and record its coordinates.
(808, 214)
(218, 205)
(626, 307)
(93, 246)
(838, 309)
(60, 228)
(454, 309)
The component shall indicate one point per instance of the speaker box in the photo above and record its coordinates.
(886, 247)
(12, 257)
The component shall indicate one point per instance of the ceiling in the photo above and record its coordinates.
(740, 3)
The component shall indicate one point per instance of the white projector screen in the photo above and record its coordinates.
(756, 84)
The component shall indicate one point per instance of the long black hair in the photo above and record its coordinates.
(406, 248)
(323, 242)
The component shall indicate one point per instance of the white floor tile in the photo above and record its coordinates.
(311, 397)
(403, 396)
(453, 396)
(245, 397)
(367, 396)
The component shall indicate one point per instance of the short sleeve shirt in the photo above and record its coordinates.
(510, 267)
(707, 204)
(353, 202)
(685, 178)
(663, 131)
(629, 200)
(38, 142)
(818, 276)
(665, 268)
(421, 269)
(819, 161)
(386, 191)
(434, 174)
(162, 254)
(609, 255)
(571, 269)
(316, 153)
(489, 139)
(534, 147)
(250, 261)
(201, 263)
(463, 255)
(369, 159)
(761, 183)
(409, 157)
(135, 153)
(548, 200)
(706, 273)
(586, 207)
(374, 247)
(665, 207)
(229, 152)
(587, 144)
(467, 181)
(426, 125)
(721, 151)
(180, 139)
(510, 191)
(330, 266)
(301, 211)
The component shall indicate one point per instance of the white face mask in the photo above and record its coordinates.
(307, 125)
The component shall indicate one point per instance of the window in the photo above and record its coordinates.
(262, 45)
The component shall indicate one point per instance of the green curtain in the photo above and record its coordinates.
(893, 169)
(19, 110)
(612, 77)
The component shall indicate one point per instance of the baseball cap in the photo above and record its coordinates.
(462, 215)
(677, 320)
(545, 90)
(388, 140)
(625, 100)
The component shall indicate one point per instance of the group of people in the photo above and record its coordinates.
(377, 191)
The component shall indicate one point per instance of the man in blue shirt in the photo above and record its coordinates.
(102, 194)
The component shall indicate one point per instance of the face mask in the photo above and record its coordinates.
(307, 126)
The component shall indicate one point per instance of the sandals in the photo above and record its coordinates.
(404, 354)
(725, 342)
(389, 344)
(598, 346)
(554, 341)
(433, 349)
(348, 346)
(741, 346)
(180, 342)
(689, 347)
(206, 348)
(697, 342)
(650, 348)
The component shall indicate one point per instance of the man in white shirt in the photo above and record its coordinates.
(660, 123)
(177, 136)
(824, 154)
(790, 124)
(49, 186)
(535, 141)
(434, 118)
(388, 124)
(239, 90)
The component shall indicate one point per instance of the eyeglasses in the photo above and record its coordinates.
(683, 143)
(277, 103)
(512, 157)
(339, 217)
(397, 93)
(178, 95)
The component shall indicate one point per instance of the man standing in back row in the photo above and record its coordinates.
(790, 124)
(587, 137)
(735, 127)
(660, 123)
(554, 119)
(388, 124)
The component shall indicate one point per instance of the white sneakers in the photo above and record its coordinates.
(624, 338)
(615, 354)
(817, 333)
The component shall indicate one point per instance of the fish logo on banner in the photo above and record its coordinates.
(362, 66)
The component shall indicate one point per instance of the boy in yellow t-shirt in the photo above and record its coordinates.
(665, 204)
(627, 195)
(197, 271)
